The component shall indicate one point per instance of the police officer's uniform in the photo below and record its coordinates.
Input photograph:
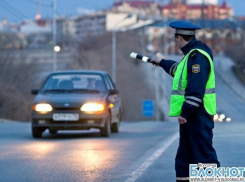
(195, 143)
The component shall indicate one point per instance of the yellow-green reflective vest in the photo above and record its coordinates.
(180, 83)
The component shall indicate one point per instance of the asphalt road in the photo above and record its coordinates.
(141, 152)
(78, 156)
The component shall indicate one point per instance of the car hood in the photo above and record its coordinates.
(69, 100)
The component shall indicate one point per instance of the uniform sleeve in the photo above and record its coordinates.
(169, 66)
(198, 72)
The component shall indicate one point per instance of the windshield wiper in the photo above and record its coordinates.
(85, 90)
(57, 90)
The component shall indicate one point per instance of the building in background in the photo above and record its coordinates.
(131, 14)
(37, 33)
(217, 34)
(116, 21)
(207, 2)
(5, 26)
(195, 9)
(99, 23)
(139, 7)
(90, 25)
(66, 31)
(36, 26)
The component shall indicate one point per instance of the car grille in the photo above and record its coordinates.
(65, 109)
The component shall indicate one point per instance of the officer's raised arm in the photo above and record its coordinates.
(168, 65)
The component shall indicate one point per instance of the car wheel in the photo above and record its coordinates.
(106, 130)
(36, 132)
(52, 131)
(115, 127)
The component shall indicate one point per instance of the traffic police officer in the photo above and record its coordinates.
(193, 99)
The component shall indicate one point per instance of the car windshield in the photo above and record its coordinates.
(74, 83)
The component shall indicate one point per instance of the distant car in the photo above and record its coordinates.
(76, 100)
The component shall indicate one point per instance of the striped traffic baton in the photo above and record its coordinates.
(138, 56)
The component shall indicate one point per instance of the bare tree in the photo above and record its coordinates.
(16, 80)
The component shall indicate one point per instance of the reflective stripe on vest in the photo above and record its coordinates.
(180, 83)
(182, 92)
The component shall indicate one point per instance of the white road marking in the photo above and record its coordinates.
(136, 174)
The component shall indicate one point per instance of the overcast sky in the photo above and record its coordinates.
(17, 10)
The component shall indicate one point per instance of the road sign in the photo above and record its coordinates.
(148, 108)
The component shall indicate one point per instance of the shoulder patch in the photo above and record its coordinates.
(195, 68)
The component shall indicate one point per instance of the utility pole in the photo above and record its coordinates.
(114, 47)
(54, 37)
(157, 97)
(202, 15)
(38, 15)
(243, 30)
(114, 52)
(164, 84)
(143, 41)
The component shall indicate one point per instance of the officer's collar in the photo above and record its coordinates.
(188, 46)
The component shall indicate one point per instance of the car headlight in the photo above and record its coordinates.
(43, 108)
(92, 107)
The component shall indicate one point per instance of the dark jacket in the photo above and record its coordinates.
(196, 82)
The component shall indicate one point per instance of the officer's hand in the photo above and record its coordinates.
(182, 120)
(156, 61)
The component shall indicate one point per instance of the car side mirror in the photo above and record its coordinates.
(114, 92)
(34, 91)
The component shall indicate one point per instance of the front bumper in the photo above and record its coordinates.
(85, 122)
